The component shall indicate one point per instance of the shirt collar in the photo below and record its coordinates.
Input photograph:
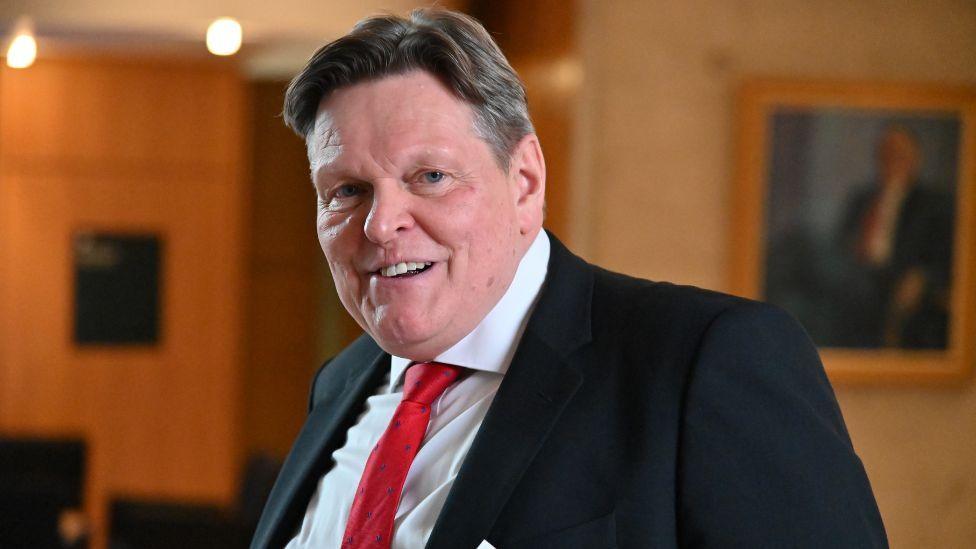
(491, 345)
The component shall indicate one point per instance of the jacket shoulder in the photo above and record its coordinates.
(331, 378)
(632, 315)
(639, 300)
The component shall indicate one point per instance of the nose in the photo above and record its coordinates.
(389, 214)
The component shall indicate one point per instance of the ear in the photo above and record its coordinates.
(528, 174)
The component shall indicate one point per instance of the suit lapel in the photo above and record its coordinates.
(540, 382)
(320, 435)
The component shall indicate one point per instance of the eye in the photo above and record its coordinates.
(343, 196)
(434, 176)
(347, 191)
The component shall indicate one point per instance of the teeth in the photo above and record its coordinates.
(403, 267)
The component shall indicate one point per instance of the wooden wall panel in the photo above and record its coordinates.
(145, 145)
(284, 279)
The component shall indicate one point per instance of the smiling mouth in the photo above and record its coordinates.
(403, 269)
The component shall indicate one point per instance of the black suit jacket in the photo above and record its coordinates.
(634, 414)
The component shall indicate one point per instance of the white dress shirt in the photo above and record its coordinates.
(485, 353)
(880, 241)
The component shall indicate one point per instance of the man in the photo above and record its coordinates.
(896, 239)
(573, 407)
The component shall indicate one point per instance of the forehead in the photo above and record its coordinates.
(394, 112)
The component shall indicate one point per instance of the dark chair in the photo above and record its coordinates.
(145, 524)
(40, 481)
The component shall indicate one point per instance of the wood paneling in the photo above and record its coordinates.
(283, 279)
(147, 145)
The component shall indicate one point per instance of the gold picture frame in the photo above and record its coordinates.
(845, 193)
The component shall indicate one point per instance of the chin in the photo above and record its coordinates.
(411, 338)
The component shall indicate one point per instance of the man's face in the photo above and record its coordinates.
(404, 183)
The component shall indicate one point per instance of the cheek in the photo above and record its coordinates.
(338, 232)
(493, 244)
(339, 245)
(501, 219)
(348, 285)
(326, 225)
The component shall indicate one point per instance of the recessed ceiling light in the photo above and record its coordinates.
(23, 47)
(224, 36)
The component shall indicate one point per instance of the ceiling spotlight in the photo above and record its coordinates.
(23, 48)
(224, 36)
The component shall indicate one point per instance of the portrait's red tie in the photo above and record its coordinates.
(370, 523)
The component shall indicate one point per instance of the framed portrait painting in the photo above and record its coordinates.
(854, 211)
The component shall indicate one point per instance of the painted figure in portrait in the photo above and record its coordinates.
(860, 223)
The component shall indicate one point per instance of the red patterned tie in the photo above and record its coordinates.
(370, 521)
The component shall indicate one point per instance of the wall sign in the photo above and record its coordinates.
(117, 288)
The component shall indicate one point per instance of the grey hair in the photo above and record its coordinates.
(452, 46)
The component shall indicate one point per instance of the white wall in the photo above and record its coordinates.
(655, 164)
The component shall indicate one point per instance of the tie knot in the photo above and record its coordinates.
(425, 381)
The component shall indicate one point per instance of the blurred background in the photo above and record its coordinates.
(134, 163)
